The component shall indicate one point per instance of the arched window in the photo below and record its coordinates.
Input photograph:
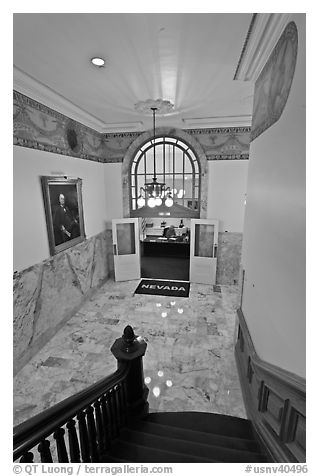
(175, 165)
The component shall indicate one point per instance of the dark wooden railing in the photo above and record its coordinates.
(81, 427)
(275, 401)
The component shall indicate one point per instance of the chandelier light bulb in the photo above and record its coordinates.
(140, 201)
(158, 201)
(151, 202)
(169, 201)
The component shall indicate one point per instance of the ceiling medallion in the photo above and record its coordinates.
(162, 106)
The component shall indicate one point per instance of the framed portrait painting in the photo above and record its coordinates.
(63, 211)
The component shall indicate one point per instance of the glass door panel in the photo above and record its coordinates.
(126, 249)
(203, 251)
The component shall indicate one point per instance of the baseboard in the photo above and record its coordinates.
(275, 401)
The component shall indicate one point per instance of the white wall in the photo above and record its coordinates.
(227, 184)
(274, 232)
(113, 191)
(30, 239)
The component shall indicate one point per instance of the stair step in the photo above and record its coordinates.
(186, 448)
(123, 451)
(212, 423)
(195, 436)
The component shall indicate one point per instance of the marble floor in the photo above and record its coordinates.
(189, 362)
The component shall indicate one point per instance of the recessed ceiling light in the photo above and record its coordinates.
(99, 62)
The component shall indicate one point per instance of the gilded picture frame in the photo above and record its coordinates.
(62, 198)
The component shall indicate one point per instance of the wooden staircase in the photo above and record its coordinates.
(109, 422)
(187, 437)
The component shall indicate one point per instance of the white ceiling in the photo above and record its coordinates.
(188, 59)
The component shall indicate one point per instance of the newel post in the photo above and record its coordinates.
(130, 348)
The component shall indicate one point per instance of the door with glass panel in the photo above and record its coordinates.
(203, 251)
(126, 249)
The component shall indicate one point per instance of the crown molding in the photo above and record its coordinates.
(36, 90)
(123, 127)
(219, 121)
(263, 34)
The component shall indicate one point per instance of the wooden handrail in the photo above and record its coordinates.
(92, 417)
(29, 433)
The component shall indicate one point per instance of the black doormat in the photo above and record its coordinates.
(163, 288)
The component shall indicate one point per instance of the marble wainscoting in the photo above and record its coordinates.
(47, 294)
(189, 362)
(228, 257)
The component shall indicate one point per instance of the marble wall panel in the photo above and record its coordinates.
(47, 295)
(26, 294)
(228, 257)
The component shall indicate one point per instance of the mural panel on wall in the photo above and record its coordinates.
(223, 143)
(274, 82)
(37, 126)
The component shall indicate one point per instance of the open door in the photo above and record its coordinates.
(126, 248)
(203, 251)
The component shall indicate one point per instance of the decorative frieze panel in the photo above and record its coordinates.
(273, 85)
(223, 143)
(275, 401)
(117, 144)
(37, 126)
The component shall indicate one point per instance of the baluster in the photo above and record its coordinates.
(84, 438)
(92, 434)
(125, 401)
(111, 401)
(27, 458)
(122, 400)
(99, 426)
(45, 453)
(109, 414)
(60, 445)
(106, 423)
(117, 407)
(120, 404)
(74, 448)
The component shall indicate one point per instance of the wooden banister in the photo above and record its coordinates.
(91, 417)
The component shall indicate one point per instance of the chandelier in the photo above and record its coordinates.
(154, 193)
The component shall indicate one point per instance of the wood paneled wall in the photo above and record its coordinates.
(275, 401)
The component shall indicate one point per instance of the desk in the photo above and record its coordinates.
(157, 246)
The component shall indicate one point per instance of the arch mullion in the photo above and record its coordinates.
(164, 158)
(173, 170)
(145, 170)
(183, 184)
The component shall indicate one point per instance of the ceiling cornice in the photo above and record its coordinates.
(263, 34)
(36, 90)
(220, 121)
(123, 127)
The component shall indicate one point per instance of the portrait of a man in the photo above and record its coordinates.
(63, 207)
